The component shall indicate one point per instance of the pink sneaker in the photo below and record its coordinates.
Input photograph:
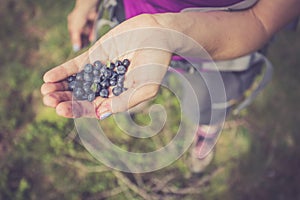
(202, 152)
(205, 140)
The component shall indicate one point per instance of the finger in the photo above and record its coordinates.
(52, 87)
(76, 109)
(76, 40)
(53, 99)
(93, 18)
(92, 35)
(143, 83)
(76, 23)
(66, 69)
(126, 100)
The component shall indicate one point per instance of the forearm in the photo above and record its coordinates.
(226, 35)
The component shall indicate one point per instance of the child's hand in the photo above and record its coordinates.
(81, 22)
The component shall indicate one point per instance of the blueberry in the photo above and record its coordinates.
(91, 97)
(114, 75)
(112, 81)
(104, 83)
(104, 93)
(98, 65)
(88, 68)
(107, 73)
(97, 79)
(82, 97)
(79, 76)
(121, 69)
(111, 66)
(96, 72)
(87, 77)
(72, 85)
(102, 71)
(121, 78)
(71, 78)
(118, 63)
(75, 84)
(120, 84)
(126, 63)
(117, 90)
(87, 86)
(78, 93)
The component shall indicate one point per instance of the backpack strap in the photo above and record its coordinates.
(235, 7)
(255, 58)
(237, 64)
(266, 78)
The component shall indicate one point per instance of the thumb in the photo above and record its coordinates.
(127, 100)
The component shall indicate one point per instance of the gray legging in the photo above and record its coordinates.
(235, 84)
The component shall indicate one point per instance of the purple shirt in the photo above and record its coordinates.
(136, 7)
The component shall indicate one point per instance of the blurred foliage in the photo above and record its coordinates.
(42, 158)
(45, 167)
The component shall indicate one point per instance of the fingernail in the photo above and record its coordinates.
(76, 47)
(104, 108)
(105, 115)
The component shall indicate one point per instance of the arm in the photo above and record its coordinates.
(224, 35)
(228, 35)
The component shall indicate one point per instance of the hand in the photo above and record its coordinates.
(81, 23)
(147, 69)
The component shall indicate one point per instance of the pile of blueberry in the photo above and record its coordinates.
(96, 79)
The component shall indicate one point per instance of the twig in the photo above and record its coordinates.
(81, 167)
(107, 194)
(160, 184)
(140, 191)
(126, 190)
(195, 189)
(138, 180)
(189, 190)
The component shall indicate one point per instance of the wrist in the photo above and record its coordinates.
(183, 34)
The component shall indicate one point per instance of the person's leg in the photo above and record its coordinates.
(212, 117)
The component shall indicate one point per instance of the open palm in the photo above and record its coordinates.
(143, 46)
